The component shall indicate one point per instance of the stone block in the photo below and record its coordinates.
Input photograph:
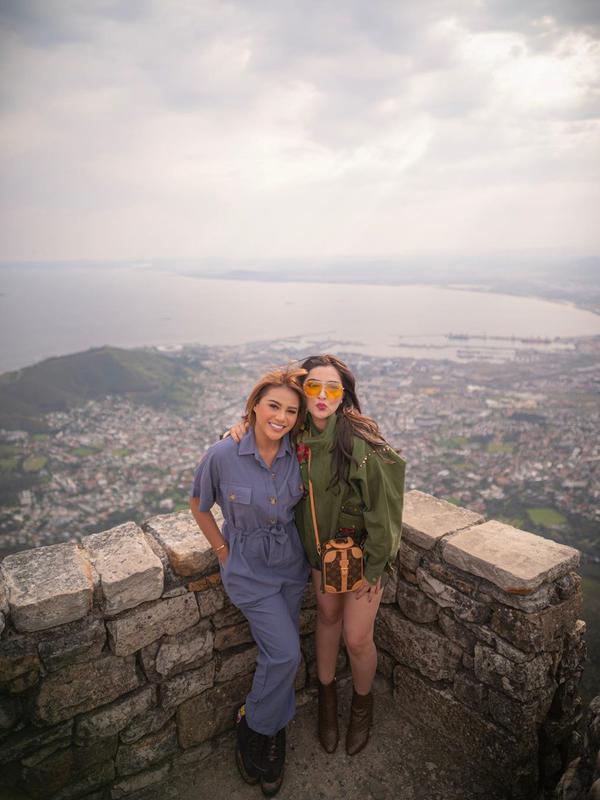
(189, 684)
(212, 712)
(184, 650)
(134, 783)
(170, 579)
(514, 715)
(18, 656)
(477, 740)
(140, 626)
(385, 663)
(409, 557)
(426, 519)
(389, 588)
(96, 777)
(211, 599)
(229, 615)
(147, 722)
(129, 572)
(207, 582)
(187, 548)
(463, 635)
(464, 607)
(514, 560)
(74, 643)
(416, 646)
(308, 620)
(11, 710)
(111, 718)
(3, 595)
(522, 681)
(27, 740)
(193, 755)
(148, 751)
(232, 636)
(59, 770)
(469, 690)
(82, 687)
(48, 586)
(301, 675)
(537, 600)
(235, 662)
(414, 604)
(466, 584)
(536, 631)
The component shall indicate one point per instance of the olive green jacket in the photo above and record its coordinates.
(373, 501)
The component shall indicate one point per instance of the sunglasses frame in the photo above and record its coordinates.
(330, 393)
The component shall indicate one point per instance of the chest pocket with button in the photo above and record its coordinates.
(239, 500)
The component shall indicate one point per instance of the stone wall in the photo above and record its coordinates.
(121, 659)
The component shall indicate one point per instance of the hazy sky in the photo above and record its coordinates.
(270, 128)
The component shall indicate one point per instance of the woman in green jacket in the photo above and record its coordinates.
(358, 486)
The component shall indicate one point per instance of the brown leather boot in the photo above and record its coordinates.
(329, 733)
(361, 719)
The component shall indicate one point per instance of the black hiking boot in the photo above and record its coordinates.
(274, 760)
(249, 750)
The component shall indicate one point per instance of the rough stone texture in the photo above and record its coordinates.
(469, 691)
(22, 743)
(81, 687)
(149, 750)
(187, 548)
(426, 519)
(110, 719)
(389, 588)
(18, 656)
(465, 608)
(10, 712)
(418, 647)
(512, 714)
(145, 624)
(147, 722)
(129, 572)
(534, 632)
(60, 775)
(409, 557)
(48, 586)
(229, 615)
(233, 636)
(414, 604)
(521, 681)
(45, 776)
(463, 635)
(188, 684)
(211, 599)
(516, 561)
(184, 650)
(74, 643)
(581, 780)
(3, 595)
(212, 712)
(508, 759)
(236, 662)
(134, 783)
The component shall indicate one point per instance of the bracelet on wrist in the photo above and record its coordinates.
(220, 547)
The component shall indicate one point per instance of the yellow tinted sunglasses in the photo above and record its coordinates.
(333, 389)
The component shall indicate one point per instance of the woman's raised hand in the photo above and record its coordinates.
(238, 431)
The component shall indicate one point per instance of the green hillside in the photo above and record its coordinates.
(57, 384)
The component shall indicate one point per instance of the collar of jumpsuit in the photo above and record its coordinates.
(247, 447)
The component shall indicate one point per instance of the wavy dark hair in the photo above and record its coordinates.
(351, 421)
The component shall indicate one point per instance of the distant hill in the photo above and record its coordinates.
(58, 384)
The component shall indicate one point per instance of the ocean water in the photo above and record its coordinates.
(54, 310)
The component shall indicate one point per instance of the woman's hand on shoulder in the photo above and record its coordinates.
(367, 589)
(238, 431)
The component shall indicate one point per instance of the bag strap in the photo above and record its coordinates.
(312, 506)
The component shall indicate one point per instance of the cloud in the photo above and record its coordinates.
(229, 128)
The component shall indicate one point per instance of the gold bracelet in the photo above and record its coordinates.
(220, 547)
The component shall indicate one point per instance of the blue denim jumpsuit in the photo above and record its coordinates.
(266, 572)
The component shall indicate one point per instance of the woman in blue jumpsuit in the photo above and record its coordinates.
(264, 569)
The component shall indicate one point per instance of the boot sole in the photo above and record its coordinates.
(271, 789)
(246, 777)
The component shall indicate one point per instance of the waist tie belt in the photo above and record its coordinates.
(276, 538)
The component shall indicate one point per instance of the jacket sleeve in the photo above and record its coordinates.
(382, 490)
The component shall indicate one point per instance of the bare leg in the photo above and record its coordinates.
(330, 613)
(358, 623)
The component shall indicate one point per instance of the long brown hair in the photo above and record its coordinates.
(351, 421)
(290, 377)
